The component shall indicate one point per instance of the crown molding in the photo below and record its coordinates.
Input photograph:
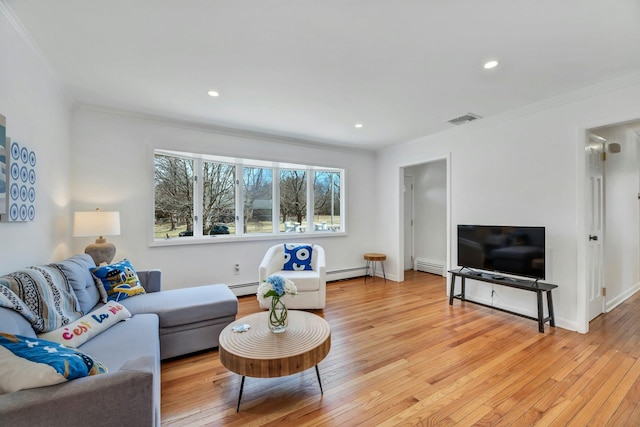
(580, 94)
(7, 14)
(223, 130)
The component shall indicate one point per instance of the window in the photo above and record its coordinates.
(293, 200)
(174, 180)
(258, 200)
(218, 198)
(198, 196)
(326, 200)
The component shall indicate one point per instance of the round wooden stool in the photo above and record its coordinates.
(373, 257)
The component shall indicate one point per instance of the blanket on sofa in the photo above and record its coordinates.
(42, 294)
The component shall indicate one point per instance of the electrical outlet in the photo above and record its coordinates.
(236, 269)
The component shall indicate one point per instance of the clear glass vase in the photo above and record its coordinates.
(277, 316)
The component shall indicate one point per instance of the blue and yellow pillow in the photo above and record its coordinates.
(297, 257)
(31, 362)
(120, 280)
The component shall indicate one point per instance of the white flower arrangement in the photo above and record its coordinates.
(276, 286)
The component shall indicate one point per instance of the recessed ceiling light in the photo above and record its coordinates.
(213, 93)
(358, 125)
(490, 64)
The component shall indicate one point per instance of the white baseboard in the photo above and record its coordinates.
(614, 302)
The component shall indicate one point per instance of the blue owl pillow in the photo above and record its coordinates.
(297, 257)
(27, 362)
(119, 280)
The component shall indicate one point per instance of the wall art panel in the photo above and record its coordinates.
(3, 165)
(22, 180)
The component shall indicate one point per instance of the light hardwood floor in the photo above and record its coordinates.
(401, 355)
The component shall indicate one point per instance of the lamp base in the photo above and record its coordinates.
(101, 252)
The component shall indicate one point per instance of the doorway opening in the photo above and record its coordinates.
(425, 217)
(612, 217)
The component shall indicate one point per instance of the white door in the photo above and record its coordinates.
(408, 222)
(595, 198)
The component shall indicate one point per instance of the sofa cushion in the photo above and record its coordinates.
(14, 323)
(77, 271)
(27, 362)
(126, 341)
(187, 305)
(88, 326)
(304, 280)
(297, 257)
(119, 279)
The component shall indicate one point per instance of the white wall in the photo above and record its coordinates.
(37, 115)
(523, 167)
(622, 232)
(430, 210)
(113, 170)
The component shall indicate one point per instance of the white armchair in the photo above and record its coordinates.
(311, 284)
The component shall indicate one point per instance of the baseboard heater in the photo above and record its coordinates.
(249, 288)
(345, 273)
(243, 285)
(429, 266)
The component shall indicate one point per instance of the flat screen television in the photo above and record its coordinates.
(519, 251)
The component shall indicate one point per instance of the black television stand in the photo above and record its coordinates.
(496, 279)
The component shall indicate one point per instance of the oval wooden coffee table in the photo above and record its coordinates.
(260, 353)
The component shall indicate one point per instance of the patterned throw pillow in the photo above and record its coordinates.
(119, 280)
(297, 257)
(30, 362)
(43, 295)
(88, 326)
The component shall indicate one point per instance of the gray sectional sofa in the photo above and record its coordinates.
(164, 324)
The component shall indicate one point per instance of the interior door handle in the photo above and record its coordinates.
(591, 237)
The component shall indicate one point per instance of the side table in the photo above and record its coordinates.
(373, 257)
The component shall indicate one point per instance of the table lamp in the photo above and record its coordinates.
(98, 223)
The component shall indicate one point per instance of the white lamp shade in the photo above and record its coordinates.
(96, 223)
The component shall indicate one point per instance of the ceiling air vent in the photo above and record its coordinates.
(464, 119)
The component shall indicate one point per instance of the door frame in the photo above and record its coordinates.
(401, 174)
(412, 227)
(595, 258)
(582, 226)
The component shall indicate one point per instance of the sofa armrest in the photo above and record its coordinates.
(122, 398)
(151, 280)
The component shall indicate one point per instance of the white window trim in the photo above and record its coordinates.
(198, 238)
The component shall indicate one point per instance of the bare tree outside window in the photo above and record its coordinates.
(293, 200)
(199, 196)
(326, 201)
(173, 196)
(258, 200)
(218, 198)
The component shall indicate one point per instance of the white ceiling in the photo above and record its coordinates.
(311, 69)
